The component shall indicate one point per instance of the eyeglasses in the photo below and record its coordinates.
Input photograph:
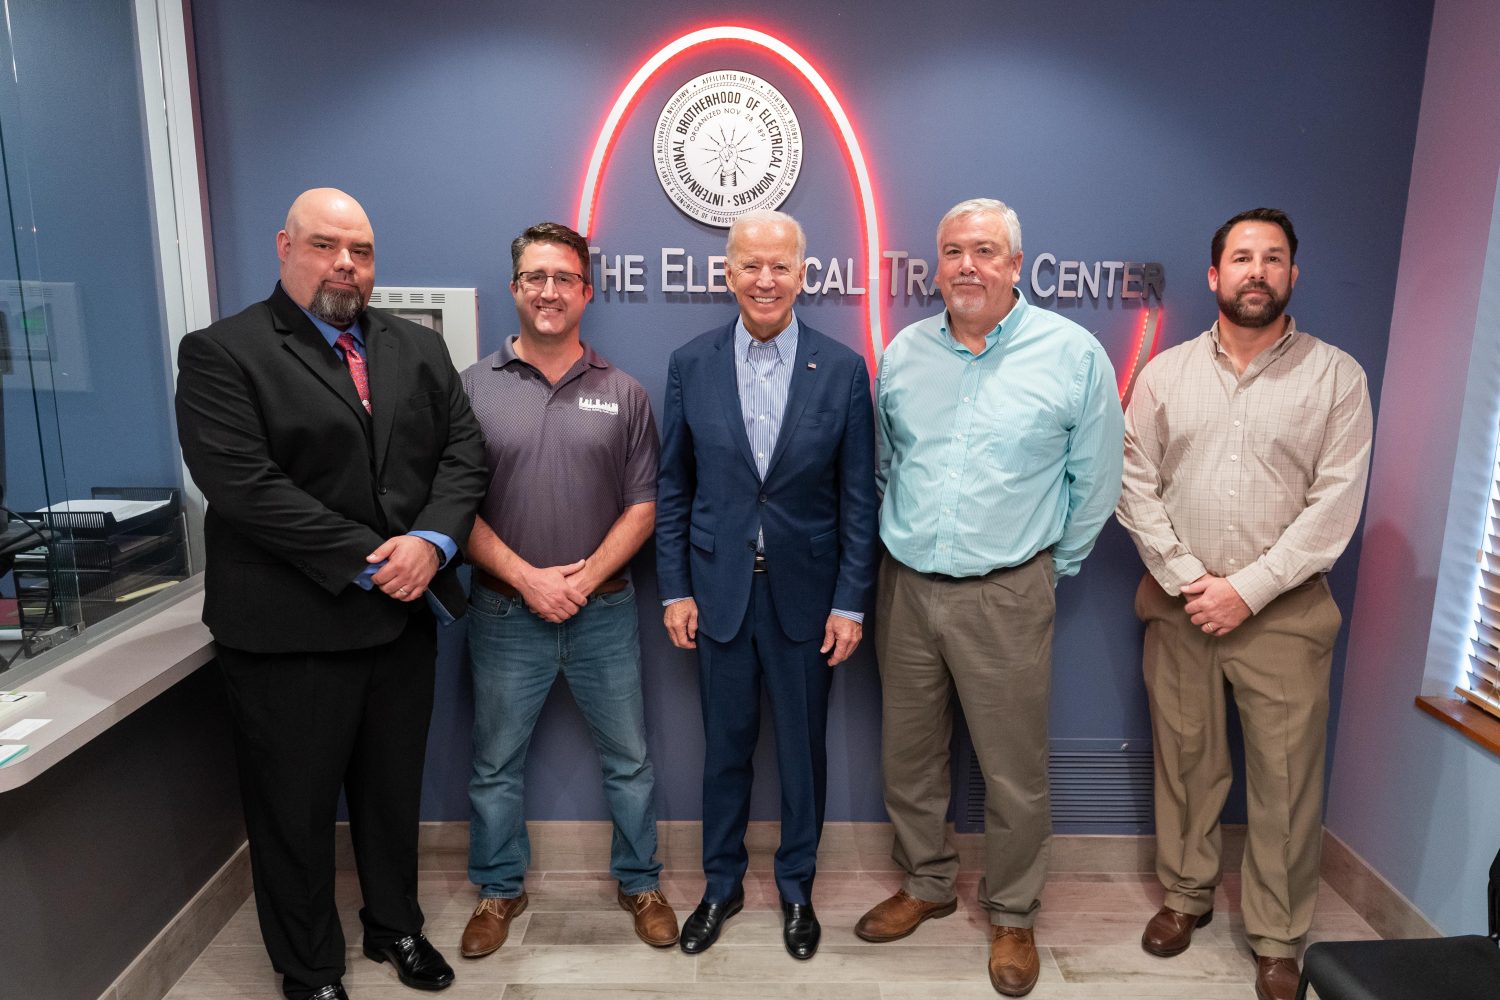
(535, 281)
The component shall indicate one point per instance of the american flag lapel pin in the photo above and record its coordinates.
(812, 364)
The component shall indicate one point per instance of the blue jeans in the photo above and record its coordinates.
(515, 657)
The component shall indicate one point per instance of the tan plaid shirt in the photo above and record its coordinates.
(1257, 477)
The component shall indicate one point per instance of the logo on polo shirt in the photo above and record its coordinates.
(599, 406)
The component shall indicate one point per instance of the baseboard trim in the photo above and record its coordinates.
(584, 846)
(162, 962)
(1381, 904)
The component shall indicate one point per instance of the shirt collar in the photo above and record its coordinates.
(1005, 326)
(332, 333)
(784, 343)
(1265, 357)
(507, 354)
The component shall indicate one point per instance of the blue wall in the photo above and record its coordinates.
(1124, 132)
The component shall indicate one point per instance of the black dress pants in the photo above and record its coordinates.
(307, 724)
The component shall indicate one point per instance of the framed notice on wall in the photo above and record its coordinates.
(452, 312)
(42, 342)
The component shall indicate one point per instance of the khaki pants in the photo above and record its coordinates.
(1277, 663)
(990, 639)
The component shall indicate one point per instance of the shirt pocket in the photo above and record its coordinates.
(1291, 436)
(1023, 438)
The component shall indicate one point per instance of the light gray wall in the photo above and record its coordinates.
(1411, 796)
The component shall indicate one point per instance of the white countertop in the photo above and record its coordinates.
(106, 681)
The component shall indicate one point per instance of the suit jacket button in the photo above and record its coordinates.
(384, 490)
(764, 498)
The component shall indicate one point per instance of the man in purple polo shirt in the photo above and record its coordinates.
(572, 453)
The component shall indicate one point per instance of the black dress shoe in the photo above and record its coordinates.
(417, 962)
(800, 929)
(334, 991)
(702, 928)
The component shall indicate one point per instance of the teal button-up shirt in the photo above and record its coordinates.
(987, 459)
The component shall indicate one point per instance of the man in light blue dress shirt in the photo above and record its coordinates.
(1000, 450)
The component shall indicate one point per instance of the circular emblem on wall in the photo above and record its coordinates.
(727, 143)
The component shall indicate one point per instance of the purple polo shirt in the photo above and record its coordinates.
(565, 460)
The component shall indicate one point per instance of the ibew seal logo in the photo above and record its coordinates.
(727, 143)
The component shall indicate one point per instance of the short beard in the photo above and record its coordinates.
(1253, 317)
(335, 306)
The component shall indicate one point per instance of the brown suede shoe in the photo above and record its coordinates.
(1014, 963)
(489, 925)
(655, 923)
(1170, 932)
(1276, 978)
(896, 917)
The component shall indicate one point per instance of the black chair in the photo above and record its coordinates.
(1453, 968)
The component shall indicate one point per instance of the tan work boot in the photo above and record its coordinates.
(1014, 963)
(895, 917)
(489, 926)
(655, 923)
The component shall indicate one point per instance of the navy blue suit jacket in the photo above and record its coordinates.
(817, 505)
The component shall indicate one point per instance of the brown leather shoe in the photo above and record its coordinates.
(896, 917)
(1170, 932)
(1276, 978)
(655, 923)
(1014, 963)
(489, 925)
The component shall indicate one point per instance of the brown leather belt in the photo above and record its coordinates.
(504, 589)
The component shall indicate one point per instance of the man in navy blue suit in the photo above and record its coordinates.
(765, 539)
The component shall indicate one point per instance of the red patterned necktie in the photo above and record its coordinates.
(356, 367)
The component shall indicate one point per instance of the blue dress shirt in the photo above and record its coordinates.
(987, 459)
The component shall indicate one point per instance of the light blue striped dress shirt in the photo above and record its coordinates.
(986, 460)
(763, 373)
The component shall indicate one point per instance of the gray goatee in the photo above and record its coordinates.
(336, 306)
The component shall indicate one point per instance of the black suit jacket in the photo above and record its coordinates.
(302, 484)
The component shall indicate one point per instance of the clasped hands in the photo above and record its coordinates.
(840, 635)
(556, 593)
(410, 564)
(1214, 605)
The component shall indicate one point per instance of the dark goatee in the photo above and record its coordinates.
(336, 306)
(1257, 317)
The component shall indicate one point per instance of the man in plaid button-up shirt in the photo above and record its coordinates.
(1246, 453)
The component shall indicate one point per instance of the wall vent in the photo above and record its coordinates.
(1098, 786)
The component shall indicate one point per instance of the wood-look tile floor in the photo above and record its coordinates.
(574, 942)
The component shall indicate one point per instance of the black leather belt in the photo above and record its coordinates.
(760, 562)
(504, 589)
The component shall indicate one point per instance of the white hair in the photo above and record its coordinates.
(986, 206)
(766, 217)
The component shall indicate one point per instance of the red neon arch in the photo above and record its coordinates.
(1145, 346)
(1145, 341)
(588, 198)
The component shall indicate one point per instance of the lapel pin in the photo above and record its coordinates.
(812, 364)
